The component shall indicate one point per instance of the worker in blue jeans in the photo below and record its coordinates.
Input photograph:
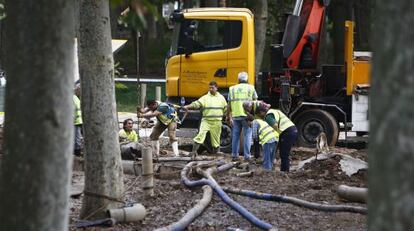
(267, 137)
(236, 116)
(287, 130)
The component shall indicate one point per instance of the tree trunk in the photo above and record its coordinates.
(363, 24)
(260, 20)
(103, 175)
(391, 142)
(36, 168)
(341, 10)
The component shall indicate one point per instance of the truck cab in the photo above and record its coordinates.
(209, 44)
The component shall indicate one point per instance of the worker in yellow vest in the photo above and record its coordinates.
(166, 119)
(251, 109)
(128, 141)
(213, 106)
(77, 120)
(287, 130)
(236, 116)
(268, 138)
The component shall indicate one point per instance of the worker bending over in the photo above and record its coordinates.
(213, 106)
(287, 133)
(251, 110)
(166, 119)
(128, 140)
(236, 116)
(268, 138)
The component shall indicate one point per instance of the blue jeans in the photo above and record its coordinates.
(238, 125)
(269, 152)
(287, 139)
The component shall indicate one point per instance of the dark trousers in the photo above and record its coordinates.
(286, 140)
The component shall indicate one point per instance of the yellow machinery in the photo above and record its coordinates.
(215, 44)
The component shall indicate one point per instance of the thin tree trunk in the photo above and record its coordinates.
(103, 175)
(260, 20)
(36, 168)
(391, 142)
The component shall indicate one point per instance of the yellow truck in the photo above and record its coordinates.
(217, 43)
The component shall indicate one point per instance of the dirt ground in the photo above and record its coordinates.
(316, 183)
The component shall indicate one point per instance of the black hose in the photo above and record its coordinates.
(296, 201)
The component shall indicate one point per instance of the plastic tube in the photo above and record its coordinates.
(212, 183)
(295, 201)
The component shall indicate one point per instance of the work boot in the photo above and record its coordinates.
(216, 150)
(174, 146)
(156, 148)
(194, 151)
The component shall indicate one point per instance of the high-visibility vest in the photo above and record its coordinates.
(238, 94)
(212, 106)
(169, 116)
(78, 112)
(126, 137)
(255, 105)
(282, 121)
(266, 132)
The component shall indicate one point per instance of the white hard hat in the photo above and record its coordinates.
(243, 76)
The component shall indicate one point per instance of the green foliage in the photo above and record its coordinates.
(127, 99)
(121, 87)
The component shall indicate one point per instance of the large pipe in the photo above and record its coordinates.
(147, 172)
(212, 183)
(193, 213)
(353, 194)
(295, 201)
(131, 167)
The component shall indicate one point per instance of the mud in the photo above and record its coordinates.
(317, 183)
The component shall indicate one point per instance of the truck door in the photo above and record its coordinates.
(204, 58)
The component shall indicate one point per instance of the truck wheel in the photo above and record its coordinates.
(225, 139)
(311, 123)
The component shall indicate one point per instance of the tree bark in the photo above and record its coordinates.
(36, 168)
(260, 20)
(391, 158)
(103, 175)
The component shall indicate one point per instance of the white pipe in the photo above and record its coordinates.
(135, 212)
(147, 173)
(131, 167)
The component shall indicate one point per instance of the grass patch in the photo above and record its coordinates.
(127, 95)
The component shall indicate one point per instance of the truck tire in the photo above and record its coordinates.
(225, 139)
(311, 123)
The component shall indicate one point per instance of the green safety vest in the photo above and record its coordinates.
(282, 121)
(266, 132)
(125, 137)
(238, 94)
(169, 116)
(212, 106)
(254, 108)
(78, 112)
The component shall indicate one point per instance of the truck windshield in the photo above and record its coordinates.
(175, 36)
(200, 35)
